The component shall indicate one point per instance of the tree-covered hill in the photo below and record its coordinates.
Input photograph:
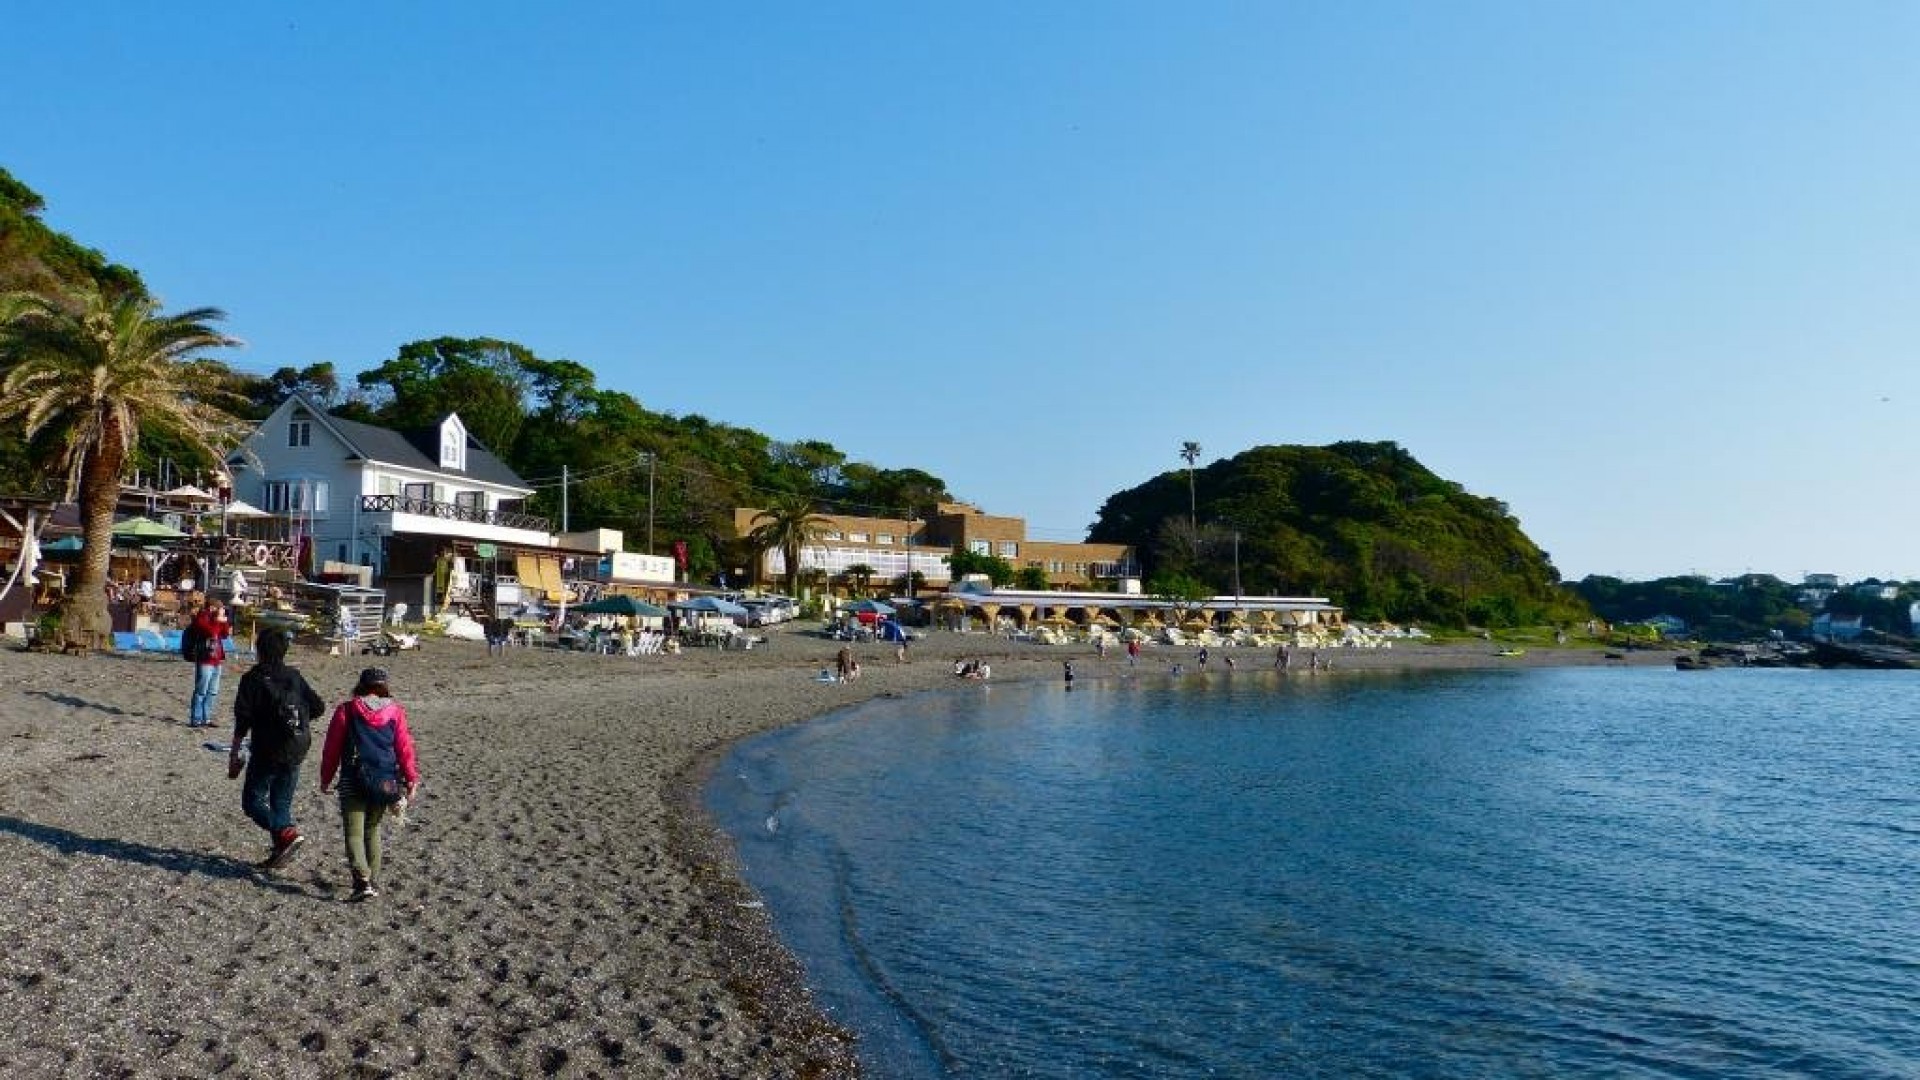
(34, 256)
(1363, 523)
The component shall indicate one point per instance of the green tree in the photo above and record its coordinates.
(962, 563)
(1032, 577)
(91, 369)
(485, 380)
(788, 526)
(861, 575)
(1180, 592)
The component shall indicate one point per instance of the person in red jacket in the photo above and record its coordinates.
(381, 723)
(210, 629)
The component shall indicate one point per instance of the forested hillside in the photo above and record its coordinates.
(1360, 522)
(1363, 523)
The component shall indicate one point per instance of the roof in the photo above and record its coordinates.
(419, 449)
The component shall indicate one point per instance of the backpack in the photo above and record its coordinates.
(192, 642)
(372, 761)
(289, 710)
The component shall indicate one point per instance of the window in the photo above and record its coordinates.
(858, 538)
(980, 547)
(300, 433)
(833, 534)
(883, 538)
(472, 504)
(418, 492)
(1009, 549)
(453, 443)
(297, 497)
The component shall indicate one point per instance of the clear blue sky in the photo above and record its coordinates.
(1649, 272)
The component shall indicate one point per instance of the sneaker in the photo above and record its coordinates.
(283, 846)
(363, 890)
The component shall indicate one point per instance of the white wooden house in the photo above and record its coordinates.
(396, 501)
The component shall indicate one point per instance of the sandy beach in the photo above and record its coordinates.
(555, 904)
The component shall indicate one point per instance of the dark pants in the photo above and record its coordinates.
(267, 794)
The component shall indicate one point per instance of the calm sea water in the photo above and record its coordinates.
(1550, 873)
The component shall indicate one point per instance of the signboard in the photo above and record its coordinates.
(632, 566)
(485, 551)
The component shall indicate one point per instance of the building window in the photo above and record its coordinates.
(980, 547)
(453, 444)
(883, 538)
(1009, 549)
(858, 538)
(472, 504)
(300, 433)
(308, 497)
(834, 534)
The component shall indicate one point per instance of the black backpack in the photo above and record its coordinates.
(289, 706)
(192, 639)
(280, 729)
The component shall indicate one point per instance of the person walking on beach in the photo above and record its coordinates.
(275, 706)
(1067, 672)
(1202, 657)
(843, 663)
(206, 646)
(1133, 652)
(370, 750)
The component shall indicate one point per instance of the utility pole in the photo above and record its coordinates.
(1236, 568)
(563, 499)
(650, 461)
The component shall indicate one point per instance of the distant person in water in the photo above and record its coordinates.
(1067, 672)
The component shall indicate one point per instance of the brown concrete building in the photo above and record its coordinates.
(892, 546)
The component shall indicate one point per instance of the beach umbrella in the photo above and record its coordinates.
(144, 528)
(709, 605)
(189, 493)
(622, 605)
(241, 508)
(868, 607)
(141, 531)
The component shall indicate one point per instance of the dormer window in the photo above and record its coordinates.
(300, 433)
(453, 443)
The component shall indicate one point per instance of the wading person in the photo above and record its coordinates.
(370, 751)
(275, 706)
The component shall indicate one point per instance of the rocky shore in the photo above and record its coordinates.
(556, 904)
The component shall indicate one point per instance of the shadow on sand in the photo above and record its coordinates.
(68, 842)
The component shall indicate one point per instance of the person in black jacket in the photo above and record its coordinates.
(276, 705)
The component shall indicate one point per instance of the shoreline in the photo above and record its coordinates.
(559, 903)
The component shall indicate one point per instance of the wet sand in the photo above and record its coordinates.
(556, 904)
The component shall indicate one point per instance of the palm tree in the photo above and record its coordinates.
(788, 525)
(1191, 451)
(93, 368)
(862, 576)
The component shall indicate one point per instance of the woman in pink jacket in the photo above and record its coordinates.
(370, 750)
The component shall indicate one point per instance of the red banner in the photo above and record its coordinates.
(680, 553)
